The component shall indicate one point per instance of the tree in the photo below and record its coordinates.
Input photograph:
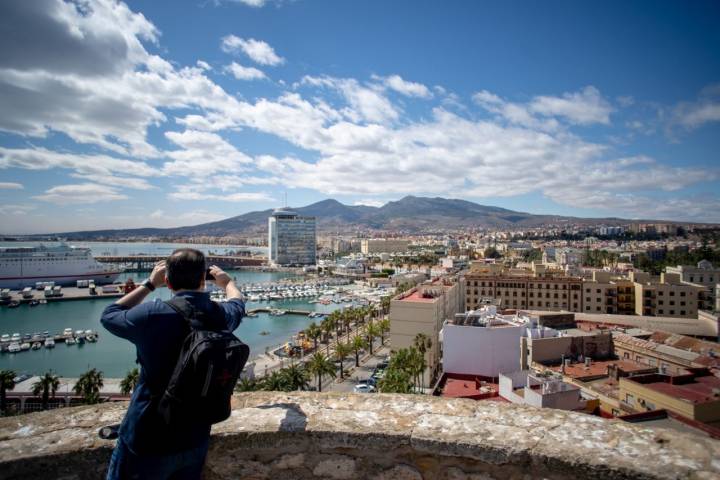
(314, 332)
(491, 252)
(296, 377)
(47, 386)
(358, 343)
(88, 386)
(395, 381)
(320, 365)
(128, 384)
(328, 325)
(248, 385)
(342, 350)
(383, 327)
(372, 331)
(275, 382)
(7, 382)
(385, 303)
(422, 343)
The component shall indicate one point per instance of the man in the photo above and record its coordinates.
(147, 447)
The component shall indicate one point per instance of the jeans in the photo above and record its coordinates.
(185, 465)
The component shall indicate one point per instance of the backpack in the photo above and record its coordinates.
(210, 361)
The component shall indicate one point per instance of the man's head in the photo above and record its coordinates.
(185, 270)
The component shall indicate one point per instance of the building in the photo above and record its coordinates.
(569, 256)
(291, 238)
(703, 274)
(424, 309)
(482, 342)
(540, 390)
(666, 297)
(550, 346)
(670, 353)
(383, 245)
(694, 395)
(537, 289)
(607, 293)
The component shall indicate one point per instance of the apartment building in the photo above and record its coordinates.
(666, 297)
(537, 289)
(607, 293)
(703, 274)
(424, 309)
(694, 395)
(383, 245)
(670, 353)
(540, 390)
(291, 238)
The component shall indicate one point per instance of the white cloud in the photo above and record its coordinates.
(11, 186)
(204, 65)
(202, 154)
(404, 87)
(365, 103)
(14, 209)
(86, 164)
(133, 183)
(258, 51)
(83, 193)
(229, 197)
(368, 202)
(244, 73)
(252, 3)
(193, 217)
(584, 107)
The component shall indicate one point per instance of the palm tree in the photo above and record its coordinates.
(422, 343)
(275, 382)
(395, 381)
(313, 331)
(348, 318)
(384, 327)
(248, 385)
(88, 386)
(358, 343)
(372, 331)
(128, 384)
(47, 385)
(328, 326)
(385, 303)
(7, 382)
(320, 365)
(342, 350)
(296, 377)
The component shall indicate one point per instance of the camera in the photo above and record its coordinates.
(208, 275)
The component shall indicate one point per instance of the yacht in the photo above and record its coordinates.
(25, 266)
(49, 343)
(14, 347)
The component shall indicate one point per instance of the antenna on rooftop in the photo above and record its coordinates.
(285, 197)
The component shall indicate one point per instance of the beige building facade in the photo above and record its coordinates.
(383, 245)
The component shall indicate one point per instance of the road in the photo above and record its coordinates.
(363, 372)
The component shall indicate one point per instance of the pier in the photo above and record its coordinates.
(147, 262)
(68, 294)
(287, 312)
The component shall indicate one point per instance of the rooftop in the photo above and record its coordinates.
(600, 368)
(692, 388)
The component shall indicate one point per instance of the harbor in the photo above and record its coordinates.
(16, 298)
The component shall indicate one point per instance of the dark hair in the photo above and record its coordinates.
(186, 269)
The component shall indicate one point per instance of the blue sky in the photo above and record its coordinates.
(151, 113)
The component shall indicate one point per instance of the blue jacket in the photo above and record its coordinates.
(158, 332)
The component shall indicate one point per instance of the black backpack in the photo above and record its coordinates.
(209, 364)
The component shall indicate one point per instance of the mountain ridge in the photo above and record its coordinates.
(410, 213)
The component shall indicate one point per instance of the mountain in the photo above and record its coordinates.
(412, 214)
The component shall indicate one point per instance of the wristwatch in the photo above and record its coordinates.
(149, 285)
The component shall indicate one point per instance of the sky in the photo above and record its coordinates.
(169, 113)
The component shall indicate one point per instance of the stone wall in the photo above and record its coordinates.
(383, 437)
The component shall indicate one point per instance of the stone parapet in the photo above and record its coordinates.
(345, 436)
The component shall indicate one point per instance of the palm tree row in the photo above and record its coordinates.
(405, 372)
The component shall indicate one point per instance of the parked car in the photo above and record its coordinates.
(363, 387)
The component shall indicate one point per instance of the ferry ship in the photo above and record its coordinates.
(24, 266)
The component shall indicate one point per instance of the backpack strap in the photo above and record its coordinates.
(183, 308)
(210, 320)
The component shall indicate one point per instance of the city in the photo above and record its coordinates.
(467, 275)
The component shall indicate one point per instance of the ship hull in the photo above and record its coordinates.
(100, 278)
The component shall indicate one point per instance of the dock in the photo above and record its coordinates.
(140, 263)
(287, 312)
(68, 294)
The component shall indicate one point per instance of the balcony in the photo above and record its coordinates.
(274, 435)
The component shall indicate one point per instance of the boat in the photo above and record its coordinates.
(70, 341)
(15, 338)
(264, 332)
(80, 340)
(68, 332)
(79, 334)
(14, 347)
(36, 346)
(24, 346)
(91, 338)
(34, 303)
(5, 338)
(61, 265)
(49, 343)
(277, 312)
(13, 304)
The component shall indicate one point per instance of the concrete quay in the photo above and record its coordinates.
(68, 293)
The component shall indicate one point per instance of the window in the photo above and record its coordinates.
(597, 291)
(587, 308)
(682, 312)
(630, 399)
(682, 294)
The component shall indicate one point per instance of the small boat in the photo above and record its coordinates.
(14, 304)
(15, 338)
(68, 332)
(70, 341)
(24, 346)
(49, 343)
(264, 332)
(80, 340)
(34, 303)
(91, 338)
(253, 314)
(42, 301)
(79, 334)
(36, 346)
(14, 347)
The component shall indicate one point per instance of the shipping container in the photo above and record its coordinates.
(27, 292)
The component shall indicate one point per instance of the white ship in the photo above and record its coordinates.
(24, 266)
